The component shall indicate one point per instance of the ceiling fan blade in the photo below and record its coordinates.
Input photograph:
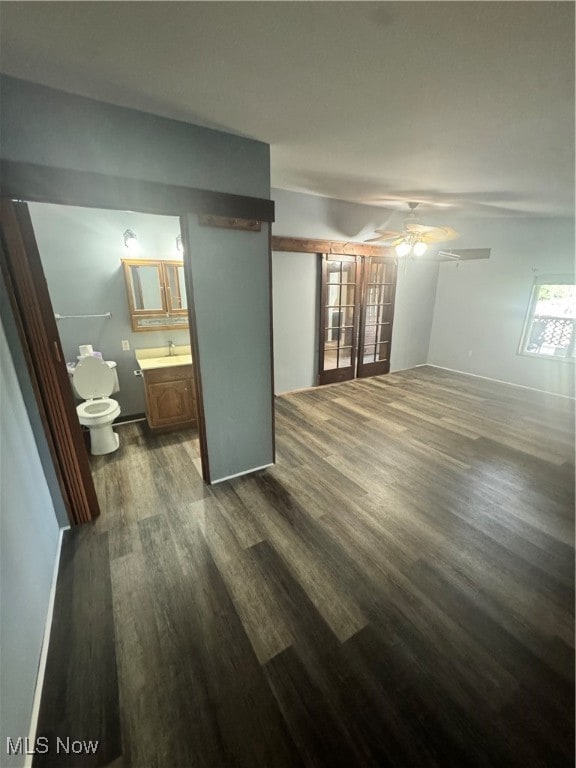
(375, 239)
(386, 241)
(413, 226)
(465, 254)
(439, 235)
(389, 232)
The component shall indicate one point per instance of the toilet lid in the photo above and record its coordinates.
(93, 378)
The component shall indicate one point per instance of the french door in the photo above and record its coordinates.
(356, 314)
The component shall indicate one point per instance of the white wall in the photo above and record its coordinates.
(294, 288)
(301, 215)
(413, 312)
(481, 305)
(28, 542)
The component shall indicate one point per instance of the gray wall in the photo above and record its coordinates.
(27, 393)
(301, 215)
(481, 305)
(233, 319)
(28, 542)
(46, 126)
(295, 292)
(80, 249)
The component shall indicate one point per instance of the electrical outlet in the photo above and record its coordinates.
(125, 345)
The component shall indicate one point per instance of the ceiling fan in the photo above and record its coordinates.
(416, 237)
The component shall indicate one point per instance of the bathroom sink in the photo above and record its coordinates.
(160, 358)
(164, 362)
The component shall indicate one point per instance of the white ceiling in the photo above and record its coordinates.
(463, 103)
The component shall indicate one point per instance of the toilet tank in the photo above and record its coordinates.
(110, 363)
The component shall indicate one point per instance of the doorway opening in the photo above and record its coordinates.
(356, 314)
(120, 306)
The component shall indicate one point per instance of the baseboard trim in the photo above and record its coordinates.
(498, 381)
(44, 650)
(239, 474)
(411, 368)
(129, 419)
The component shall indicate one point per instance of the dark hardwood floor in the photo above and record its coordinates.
(397, 591)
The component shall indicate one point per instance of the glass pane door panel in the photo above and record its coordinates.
(337, 294)
(333, 295)
(369, 354)
(345, 357)
(338, 316)
(334, 272)
(376, 273)
(332, 321)
(332, 336)
(348, 271)
(347, 336)
(386, 313)
(330, 357)
(372, 314)
(348, 294)
(370, 334)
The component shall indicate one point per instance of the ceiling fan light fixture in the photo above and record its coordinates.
(403, 249)
(420, 248)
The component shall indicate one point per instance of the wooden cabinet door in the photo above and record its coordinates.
(170, 396)
(171, 402)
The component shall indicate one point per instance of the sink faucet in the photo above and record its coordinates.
(171, 348)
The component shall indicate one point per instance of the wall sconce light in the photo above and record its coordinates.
(130, 239)
(179, 246)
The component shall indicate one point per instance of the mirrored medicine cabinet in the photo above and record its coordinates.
(156, 294)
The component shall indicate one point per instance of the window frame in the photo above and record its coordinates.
(539, 281)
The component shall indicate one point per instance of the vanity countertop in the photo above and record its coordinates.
(159, 357)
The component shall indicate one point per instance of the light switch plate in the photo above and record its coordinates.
(125, 345)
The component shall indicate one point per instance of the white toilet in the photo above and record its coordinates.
(94, 380)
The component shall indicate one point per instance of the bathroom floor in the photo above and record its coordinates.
(149, 471)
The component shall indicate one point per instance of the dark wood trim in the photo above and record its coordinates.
(227, 222)
(45, 184)
(271, 293)
(30, 299)
(189, 281)
(335, 247)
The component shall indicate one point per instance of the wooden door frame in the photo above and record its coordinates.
(378, 367)
(24, 276)
(337, 375)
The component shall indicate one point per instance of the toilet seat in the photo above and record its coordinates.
(102, 407)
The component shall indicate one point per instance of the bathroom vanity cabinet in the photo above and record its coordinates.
(170, 396)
